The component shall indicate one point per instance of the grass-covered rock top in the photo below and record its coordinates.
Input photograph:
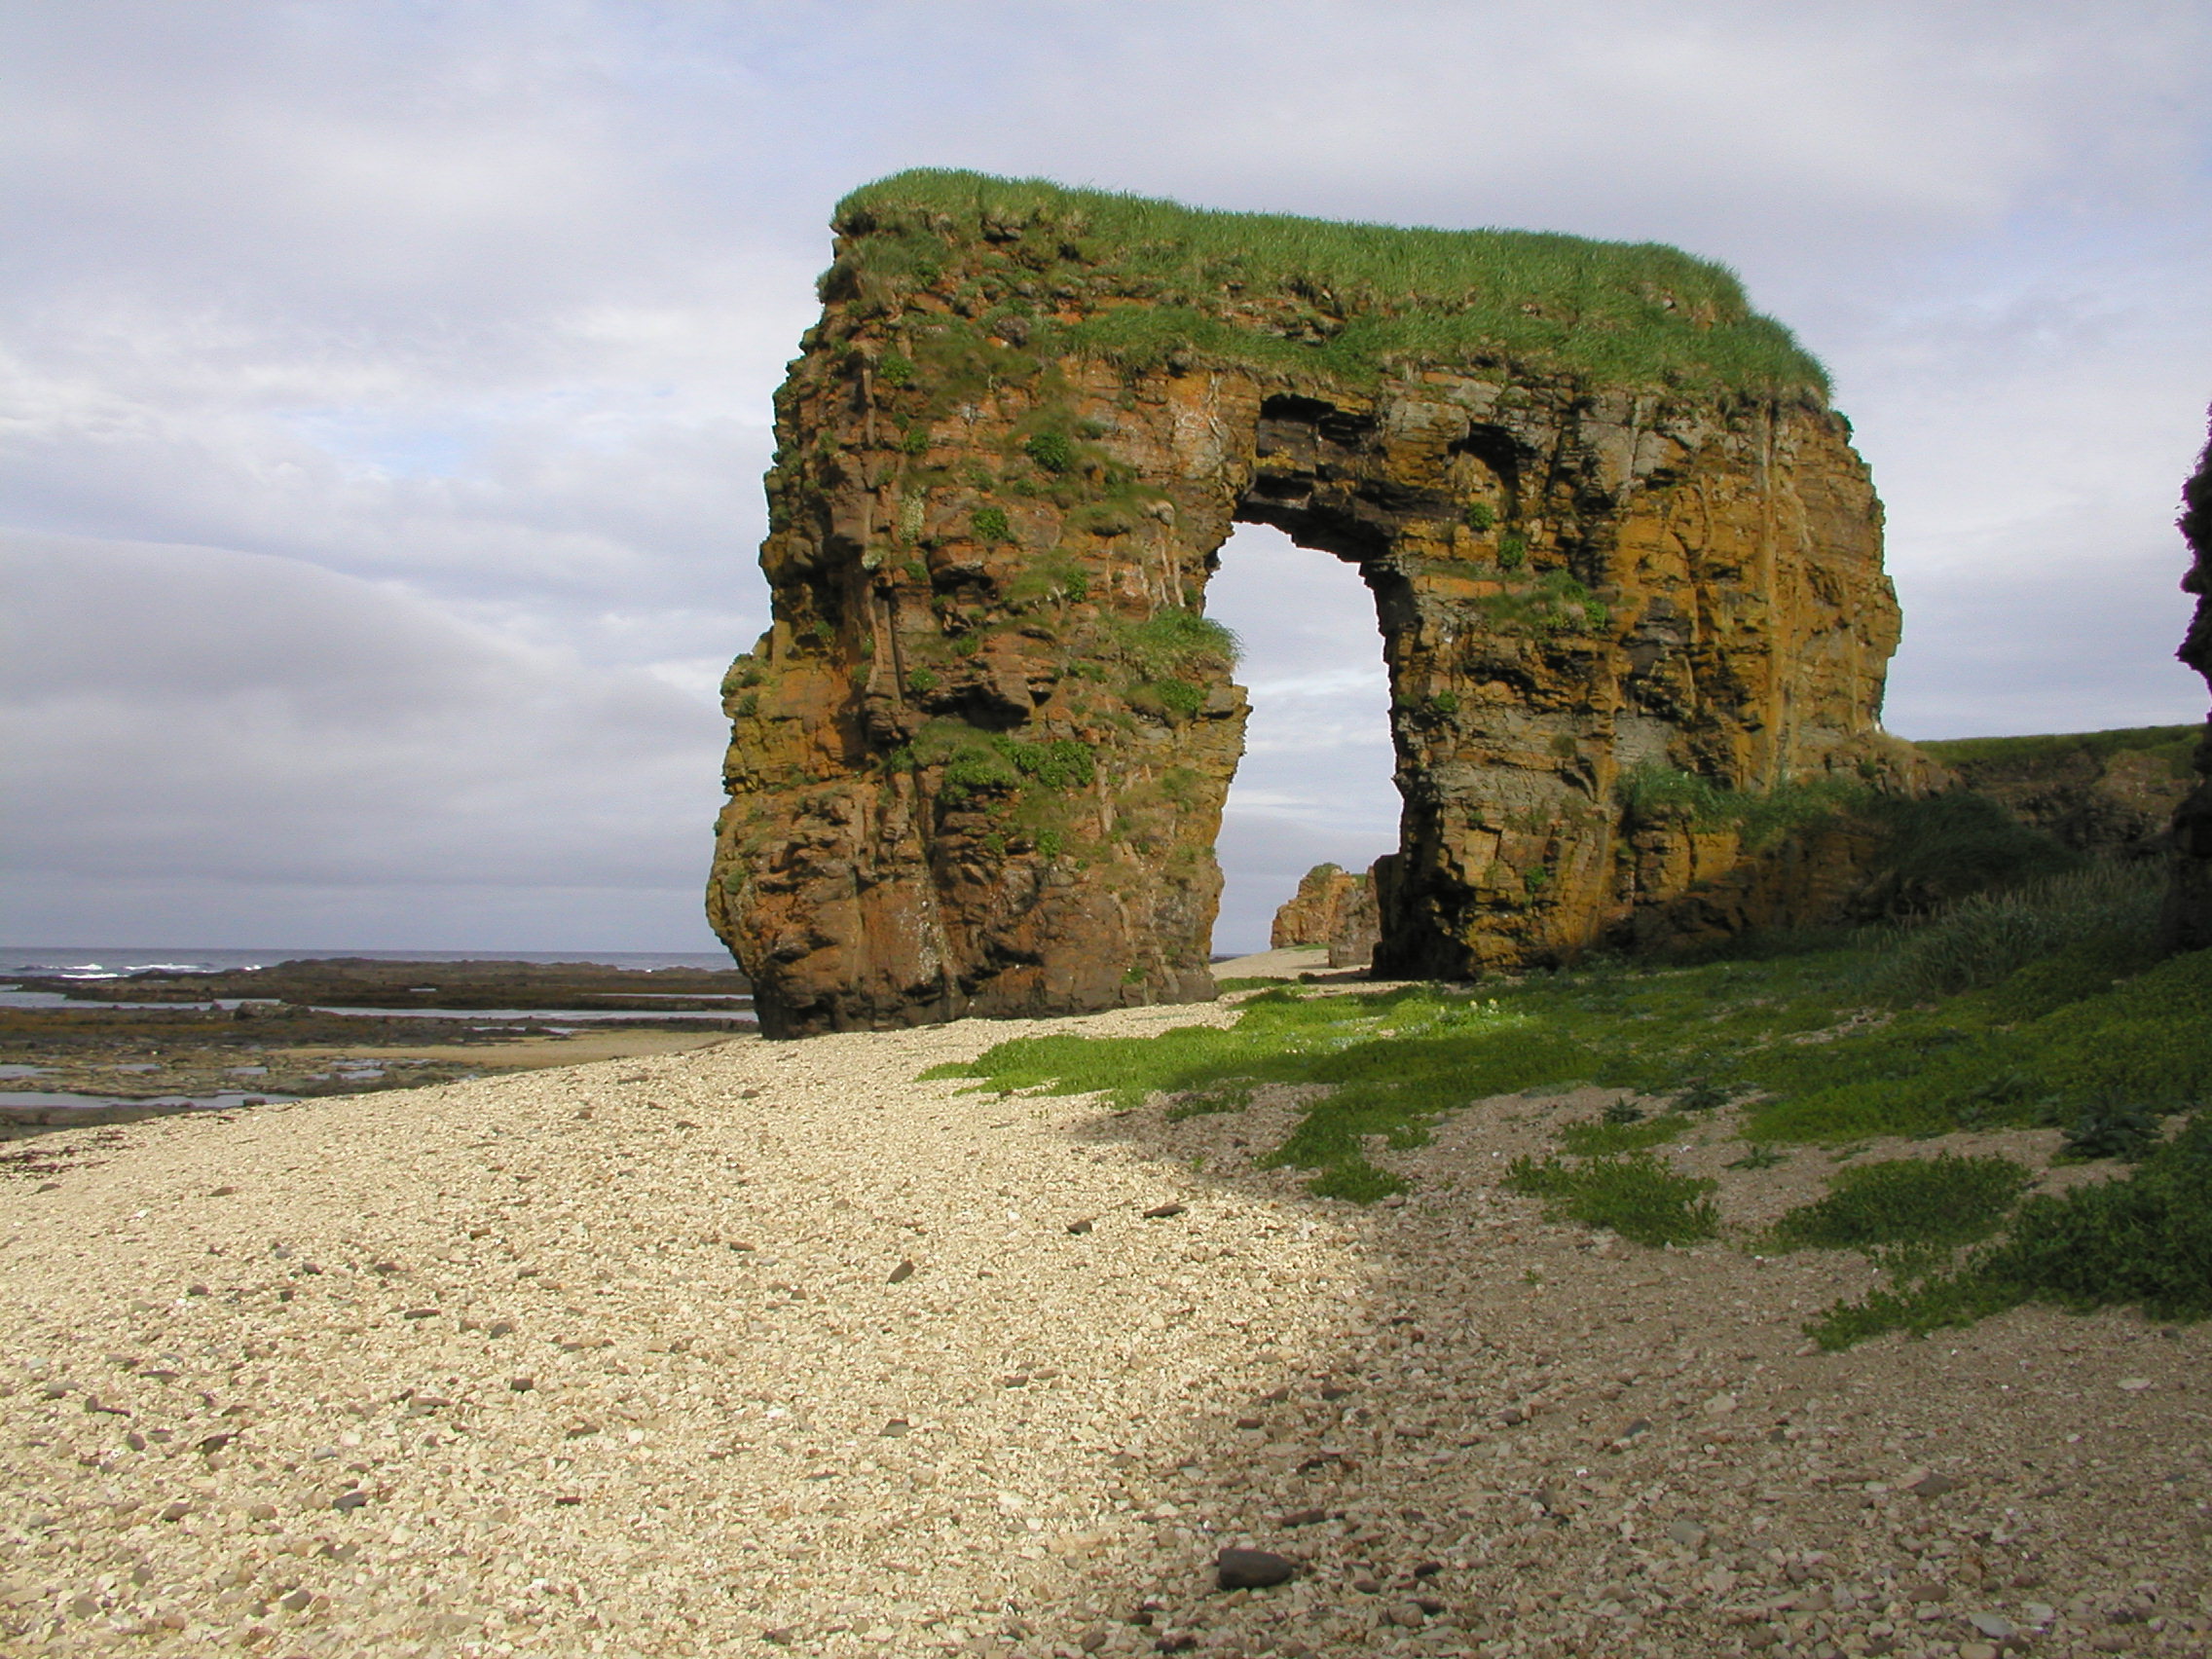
(1830, 1047)
(1138, 279)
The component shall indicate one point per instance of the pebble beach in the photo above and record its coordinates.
(769, 1346)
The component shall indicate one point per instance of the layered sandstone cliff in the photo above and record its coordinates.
(2189, 899)
(1611, 529)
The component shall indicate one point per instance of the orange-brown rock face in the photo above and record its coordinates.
(1334, 907)
(1312, 915)
(2189, 899)
(979, 760)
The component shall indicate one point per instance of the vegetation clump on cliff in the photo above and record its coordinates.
(1139, 280)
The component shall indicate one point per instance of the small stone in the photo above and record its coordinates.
(296, 1602)
(1925, 1590)
(1720, 1405)
(1933, 1485)
(1977, 1651)
(1305, 1517)
(1251, 1422)
(261, 1512)
(1689, 1534)
(522, 1384)
(901, 1273)
(1252, 1569)
(1161, 1212)
(1405, 1614)
(177, 1511)
(353, 1499)
(1428, 1570)
(893, 1429)
(501, 1328)
(224, 1193)
(1993, 1625)
(2135, 1384)
(216, 1442)
(783, 1636)
(1080, 1228)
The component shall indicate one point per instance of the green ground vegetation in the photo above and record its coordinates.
(1634, 1194)
(1347, 300)
(1906, 1211)
(1828, 1044)
(2145, 1240)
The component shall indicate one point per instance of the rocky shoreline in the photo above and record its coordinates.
(153, 1043)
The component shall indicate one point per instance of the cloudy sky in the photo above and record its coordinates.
(383, 386)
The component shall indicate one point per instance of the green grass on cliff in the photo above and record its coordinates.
(1313, 295)
(2026, 756)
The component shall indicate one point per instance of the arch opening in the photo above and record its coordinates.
(1317, 782)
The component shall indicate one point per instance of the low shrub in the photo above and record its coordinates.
(2144, 1241)
(1050, 450)
(2111, 1130)
(1635, 1195)
(1598, 1138)
(1912, 1205)
(1940, 848)
(2086, 927)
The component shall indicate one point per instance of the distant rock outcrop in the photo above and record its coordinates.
(2189, 899)
(1612, 527)
(1309, 916)
(1334, 907)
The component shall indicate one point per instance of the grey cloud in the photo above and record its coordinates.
(181, 717)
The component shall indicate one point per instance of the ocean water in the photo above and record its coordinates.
(107, 962)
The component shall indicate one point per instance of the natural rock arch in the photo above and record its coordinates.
(1611, 528)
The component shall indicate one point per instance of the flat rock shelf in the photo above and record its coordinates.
(768, 1347)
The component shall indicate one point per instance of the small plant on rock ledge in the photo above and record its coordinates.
(1050, 450)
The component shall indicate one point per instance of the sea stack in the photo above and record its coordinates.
(1611, 528)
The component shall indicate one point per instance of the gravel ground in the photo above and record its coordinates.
(768, 1347)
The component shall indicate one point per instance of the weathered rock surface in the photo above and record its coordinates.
(1332, 906)
(2188, 901)
(1309, 916)
(978, 761)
